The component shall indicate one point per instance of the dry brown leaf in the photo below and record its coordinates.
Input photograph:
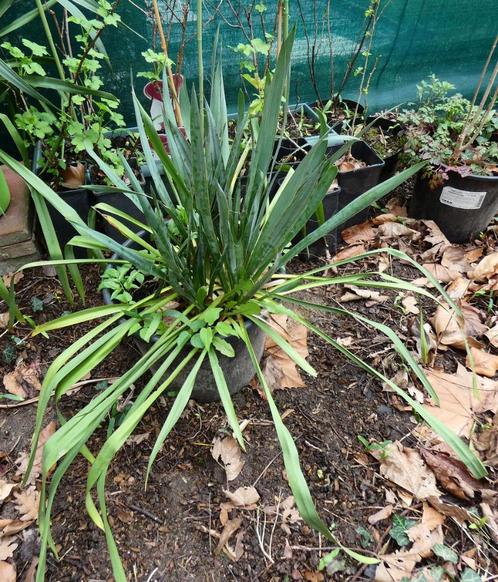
(15, 382)
(8, 546)
(406, 468)
(349, 253)
(8, 278)
(9, 527)
(243, 497)
(409, 304)
(227, 449)
(4, 320)
(279, 369)
(5, 489)
(74, 175)
(230, 528)
(359, 293)
(442, 274)
(31, 571)
(486, 268)
(389, 230)
(452, 331)
(380, 515)
(491, 521)
(23, 458)
(451, 474)
(7, 572)
(458, 288)
(27, 503)
(492, 335)
(381, 218)
(457, 402)
(312, 576)
(431, 518)
(138, 438)
(454, 259)
(460, 514)
(435, 235)
(486, 442)
(484, 362)
(359, 233)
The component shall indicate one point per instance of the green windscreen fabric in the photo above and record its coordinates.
(413, 39)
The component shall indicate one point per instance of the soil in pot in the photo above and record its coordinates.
(359, 170)
(461, 206)
(238, 371)
(387, 139)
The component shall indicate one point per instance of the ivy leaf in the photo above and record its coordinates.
(445, 553)
(398, 531)
(365, 536)
(468, 575)
(37, 304)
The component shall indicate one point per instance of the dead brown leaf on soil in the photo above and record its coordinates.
(359, 233)
(287, 511)
(410, 304)
(27, 503)
(492, 335)
(486, 442)
(244, 497)
(7, 572)
(406, 468)
(486, 268)
(451, 330)
(484, 362)
(8, 278)
(359, 293)
(460, 514)
(8, 546)
(230, 528)
(279, 369)
(388, 230)
(349, 253)
(457, 402)
(23, 379)
(452, 474)
(381, 515)
(4, 320)
(5, 489)
(228, 451)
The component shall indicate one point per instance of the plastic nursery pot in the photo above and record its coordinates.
(356, 182)
(329, 207)
(461, 206)
(238, 371)
(78, 198)
(121, 202)
(391, 128)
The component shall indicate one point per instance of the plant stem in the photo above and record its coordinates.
(200, 65)
(171, 81)
(50, 40)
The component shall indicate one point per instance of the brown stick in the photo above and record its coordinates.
(171, 81)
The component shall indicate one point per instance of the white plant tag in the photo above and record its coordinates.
(462, 198)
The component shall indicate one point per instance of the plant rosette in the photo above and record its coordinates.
(216, 257)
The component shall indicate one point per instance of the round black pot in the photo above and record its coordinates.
(356, 182)
(389, 127)
(238, 371)
(461, 206)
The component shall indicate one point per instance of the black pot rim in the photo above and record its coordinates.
(471, 176)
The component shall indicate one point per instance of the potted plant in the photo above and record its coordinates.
(458, 189)
(193, 286)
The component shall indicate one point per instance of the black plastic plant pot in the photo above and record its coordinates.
(238, 371)
(121, 202)
(389, 127)
(78, 198)
(461, 206)
(356, 182)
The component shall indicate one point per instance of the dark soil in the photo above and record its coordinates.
(163, 533)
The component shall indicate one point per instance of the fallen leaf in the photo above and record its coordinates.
(138, 438)
(15, 382)
(312, 576)
(454, 259)
(460, 514)
(31, 571)
(440, 273)
(491, 521)
(458, 288)
(279, 369)
(287, 511)
(381, 218)
(227, 449)
(359, 233)
(380, 515)
(473, 255)
(7, 572)
(452, 475)
(4, 320)
(8, 546)
(230, 528)
(389, 230)
(409, 304)
(486, 442)
(74, 175)
(9, 527)
(27, 503)
(452, 330)
(484, 362)
(435, 236)
(406, 468)
(486, 268)
(23, 458)
(359, 293)
(5, 489)
(431, 518)
(349, 253)
(457, 402)
(243, 496)
(8, 278)
(492, 335)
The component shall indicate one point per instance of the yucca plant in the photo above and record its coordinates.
(216, 244)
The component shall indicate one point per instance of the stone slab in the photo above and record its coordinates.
(11, 265)
(20, 249)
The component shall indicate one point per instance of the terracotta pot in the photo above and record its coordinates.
(16, 188)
